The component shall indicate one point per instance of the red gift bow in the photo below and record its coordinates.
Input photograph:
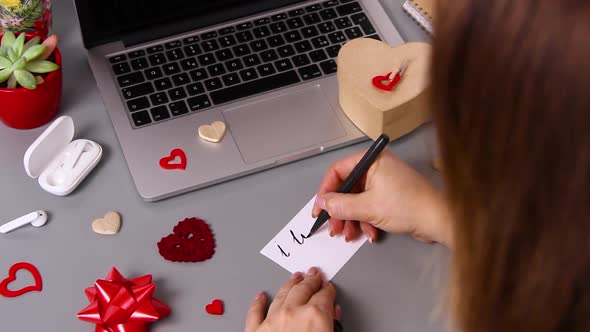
(121, 305)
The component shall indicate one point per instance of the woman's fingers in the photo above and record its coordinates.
(347, 206)
(337, 312)
(303, 291)
(332, 180)
(284, 291)
(256, 312)
(370, 231)
(350, 232)
(335, 175)
(324, 299)
(336, 226)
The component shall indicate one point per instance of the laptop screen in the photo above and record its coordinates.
(133, 21)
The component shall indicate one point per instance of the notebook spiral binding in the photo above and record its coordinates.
(419, 15)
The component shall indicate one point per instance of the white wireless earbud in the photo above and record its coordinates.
(64, 171)
(74, 156)
(37, 219)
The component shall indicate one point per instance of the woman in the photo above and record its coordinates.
(511, 100)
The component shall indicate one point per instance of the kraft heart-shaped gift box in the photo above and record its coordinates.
(376, 111)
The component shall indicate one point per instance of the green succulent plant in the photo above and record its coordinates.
(20, 61)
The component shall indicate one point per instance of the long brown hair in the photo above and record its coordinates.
(511, 92)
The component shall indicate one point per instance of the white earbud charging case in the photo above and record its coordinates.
(48, 156)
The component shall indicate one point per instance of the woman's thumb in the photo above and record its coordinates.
(345, 206)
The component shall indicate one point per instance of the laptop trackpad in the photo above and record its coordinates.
(284, 124)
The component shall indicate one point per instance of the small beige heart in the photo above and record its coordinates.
(213, 132)
(109, 225)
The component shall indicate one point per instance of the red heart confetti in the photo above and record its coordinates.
(215, 307)
(37, 287)
(170, 162)
(191, 241)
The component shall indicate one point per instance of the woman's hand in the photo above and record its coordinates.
(392, 197)
(303, 304)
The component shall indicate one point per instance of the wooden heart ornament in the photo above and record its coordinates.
(37, 287)
(393, 109)
(213, 132)
(108, 225)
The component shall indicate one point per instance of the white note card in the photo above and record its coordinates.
(291, 250)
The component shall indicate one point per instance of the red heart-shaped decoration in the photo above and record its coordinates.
(215, 307)
(378, 81)
(38, 286)
(191, 241)
(170, 162)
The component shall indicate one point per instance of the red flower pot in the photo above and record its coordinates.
(22, 108)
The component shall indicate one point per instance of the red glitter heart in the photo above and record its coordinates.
(191, 241)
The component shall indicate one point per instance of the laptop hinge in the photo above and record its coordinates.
(155, 32)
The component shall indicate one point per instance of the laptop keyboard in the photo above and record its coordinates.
(193, 74)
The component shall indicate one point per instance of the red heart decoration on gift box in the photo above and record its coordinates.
(37, 287)
(191, 241)
(170, 162)
(378, 82)
(215, 307)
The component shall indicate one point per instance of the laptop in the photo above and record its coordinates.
(266, 68)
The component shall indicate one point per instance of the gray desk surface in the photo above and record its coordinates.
(389, 286)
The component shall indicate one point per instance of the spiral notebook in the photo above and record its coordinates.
(422, 12)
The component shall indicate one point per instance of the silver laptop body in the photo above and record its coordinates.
(264, 130)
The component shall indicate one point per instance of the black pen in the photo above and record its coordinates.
(354, 177)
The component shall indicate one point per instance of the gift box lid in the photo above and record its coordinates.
(45, 148)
